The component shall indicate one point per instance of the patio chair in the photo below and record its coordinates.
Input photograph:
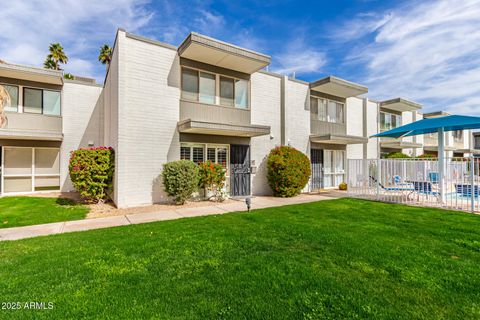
(399, 187)
(425, 188)
(465, 190)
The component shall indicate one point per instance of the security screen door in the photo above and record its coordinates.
(240, 170)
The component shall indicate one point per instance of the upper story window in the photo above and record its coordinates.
(457, 135)
(389, 121)
(328, 110)
(41, 101)
(202, 86)
(13, 93)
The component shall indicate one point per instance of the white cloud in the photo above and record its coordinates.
(299, 58)
(28, 27)
(427, 52)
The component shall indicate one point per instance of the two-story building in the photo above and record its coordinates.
(203, 100)
(47, 117)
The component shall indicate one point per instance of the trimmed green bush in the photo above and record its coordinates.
(212, 179)
(427, 156)
(397, 155)
(180, 179)
(288, 171)
(91, 171)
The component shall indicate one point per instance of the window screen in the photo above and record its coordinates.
(32, 100)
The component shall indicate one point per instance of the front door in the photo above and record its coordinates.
(240, 170)
(316, 162)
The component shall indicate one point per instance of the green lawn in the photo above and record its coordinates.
(25, 211)
(328, 260)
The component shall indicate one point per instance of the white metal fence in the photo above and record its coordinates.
(417, 182)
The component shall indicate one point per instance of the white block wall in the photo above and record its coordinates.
(297, 115)
(82, 120)
(265, 110)
(148, 112)
(354, 122)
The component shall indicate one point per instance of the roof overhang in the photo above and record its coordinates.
(222, 129)
(400, 104)
(400, 145)
(338, 139)
(218, 53)
(15, 71)
(435, 148)
(338, 87)
(474, 151)
(12, 134)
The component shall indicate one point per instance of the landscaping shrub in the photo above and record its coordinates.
(91, 171)
(212, 179)
(397, 155)
(342, 186)
(288, 171)
(180, 179)
(427, 156)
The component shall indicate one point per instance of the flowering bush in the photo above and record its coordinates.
(91, 171)
(180, 179)
(212, 179)
(288, 171)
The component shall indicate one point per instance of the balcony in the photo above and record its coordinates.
(27, 126)
(400, 105)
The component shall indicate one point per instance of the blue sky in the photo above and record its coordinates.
(427, 51)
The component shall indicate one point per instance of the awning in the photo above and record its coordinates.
(31, 73)
(338, 139)
(200, 127)
(30, 135)
(400, 104)
(338, 87)
(218, 53)
(400, 145)
(432, 125)
(435, 148)
(473, 151)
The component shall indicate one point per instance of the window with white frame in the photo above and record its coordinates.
(328, 110)
(389, 121)
(198, 153)
(28, 169)
(201, 86)
(41, 101)
(457, 135)
(333, 167)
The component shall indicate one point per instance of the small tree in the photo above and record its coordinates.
(91, 171)
(212, 179)
(55, 57)
(180, 179)
(105, 55)
(288, 171)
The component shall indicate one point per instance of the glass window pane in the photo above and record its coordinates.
(32, 100)
(241, 94)
(314, 106)
(51, 102)
(226, 91)
(322, 109)
(222, 156)
(382, 122)
(332, 111)
(339, 161)
(394, 121)
(211, 154)
(47, 161)
(17, 161)
(197, 154)
(339, 112)
(190, 84)
(13, 93)
(327, 164)
(47, 183)
(207, 88)
(17, 184)
(185, 153)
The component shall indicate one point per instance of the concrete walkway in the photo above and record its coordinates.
(115, 221)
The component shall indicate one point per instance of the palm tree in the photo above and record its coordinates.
(105, 55)
(4, 102)
(55, 57)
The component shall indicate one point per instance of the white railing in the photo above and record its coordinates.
(417, 182)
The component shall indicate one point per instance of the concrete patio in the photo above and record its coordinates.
(161, 215)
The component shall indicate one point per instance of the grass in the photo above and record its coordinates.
(327, 260)
(25, 211)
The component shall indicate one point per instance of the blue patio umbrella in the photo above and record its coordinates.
(434, 125)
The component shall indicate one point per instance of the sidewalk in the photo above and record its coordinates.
(115, 221)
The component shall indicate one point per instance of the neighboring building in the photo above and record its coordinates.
(458, 143)
(204, 100)
(47, 118)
